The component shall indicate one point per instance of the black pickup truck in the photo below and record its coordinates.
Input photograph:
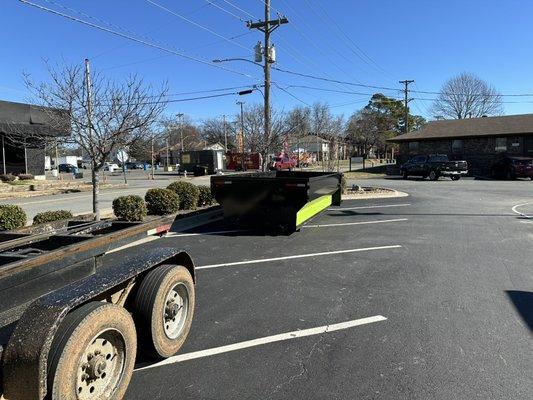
(434, 166)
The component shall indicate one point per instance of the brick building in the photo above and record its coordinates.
(476, 140)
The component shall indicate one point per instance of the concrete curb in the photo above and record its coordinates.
(394, 194)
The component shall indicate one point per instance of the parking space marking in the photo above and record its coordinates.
(515, 210)
(383, 221)
(265, 340)
(325, 253)
(177, 234)
(365, 207)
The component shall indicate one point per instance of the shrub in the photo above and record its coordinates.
(7, 177)
(129, 208)
(11, 217)
(25, 177)
(205, 198)
(161, 201)
(51, 216)
(187, 193)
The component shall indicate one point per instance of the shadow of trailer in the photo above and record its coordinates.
(69, 323)
(279, 200)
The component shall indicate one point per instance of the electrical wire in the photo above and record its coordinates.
(226, 11)
(190, 21)
(238, 8)
(132, 38)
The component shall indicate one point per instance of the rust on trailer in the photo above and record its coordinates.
(86, 245)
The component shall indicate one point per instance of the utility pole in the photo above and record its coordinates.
(267, 27)
(95, 176)
(152, 158)
(180, 124)
(407, 100)
(241, 103)
(225, 133)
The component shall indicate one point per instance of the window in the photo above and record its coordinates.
(457, 146)
(528, 145)
(501, 144)
(418, 159)
(438, 158)
(413, 146)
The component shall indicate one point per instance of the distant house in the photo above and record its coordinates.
(214, 146)
(311, 144)
(23, 129)
(476, 140)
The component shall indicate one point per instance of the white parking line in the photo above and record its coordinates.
(325, 253)
(365, 207)
(264, 340)
(177, 234)
(515, 210)
(383, 221)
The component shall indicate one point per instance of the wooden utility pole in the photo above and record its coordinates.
(407, 100)
(242, 145)
(225, 133)
(152, 159)
(94, 172)
(267, 27)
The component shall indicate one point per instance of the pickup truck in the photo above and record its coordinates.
(434, 166)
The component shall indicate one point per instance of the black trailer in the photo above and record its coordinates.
(282, 200)
(70, 324)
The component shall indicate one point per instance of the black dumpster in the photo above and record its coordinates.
(282, 200)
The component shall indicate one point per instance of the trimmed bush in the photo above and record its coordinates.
(129, 208)
(26, 177)
(161, 201)
(51, 216)
(187, 193)
(7, 177)
(11, 217)
(205, 198)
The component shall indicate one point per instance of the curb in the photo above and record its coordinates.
(394, 194)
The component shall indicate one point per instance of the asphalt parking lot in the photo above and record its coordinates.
(423, 297)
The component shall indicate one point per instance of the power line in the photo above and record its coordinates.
(132, 38)
(190, 21)
(225, 10)
(240, 9)
(290, 94)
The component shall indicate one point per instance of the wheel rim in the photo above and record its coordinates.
(432, 175)
(101, 366)
(176, 310)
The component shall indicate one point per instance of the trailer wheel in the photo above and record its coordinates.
(93, 354)
(164, 302)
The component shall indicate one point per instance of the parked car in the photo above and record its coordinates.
(511, 167)
(135, 165)
(434, 166)
(68, 168)
(111, 167)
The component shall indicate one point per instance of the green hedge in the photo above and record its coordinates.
(11, 217)
(7, 177)
(129, 208)
(51, 216)
(205, 198)
(187, 193)
(161, 201)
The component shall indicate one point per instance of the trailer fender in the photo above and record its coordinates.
(26, 354)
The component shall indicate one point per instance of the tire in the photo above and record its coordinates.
(164, 302)
(455, 177)
(433, 175)
(92, 354)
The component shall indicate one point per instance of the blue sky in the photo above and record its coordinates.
(428, 41)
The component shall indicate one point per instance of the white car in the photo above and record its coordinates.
(111, 167)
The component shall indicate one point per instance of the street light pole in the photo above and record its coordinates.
(180, 125)
(241, 103)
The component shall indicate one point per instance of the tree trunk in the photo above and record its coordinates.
(96, 192)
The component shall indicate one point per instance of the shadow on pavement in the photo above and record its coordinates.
(523, 302)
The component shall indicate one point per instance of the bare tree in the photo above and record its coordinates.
(467, 96)
(331, 128)
(254, 132)
(217, 130)
(121, 112)
(176, 129)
